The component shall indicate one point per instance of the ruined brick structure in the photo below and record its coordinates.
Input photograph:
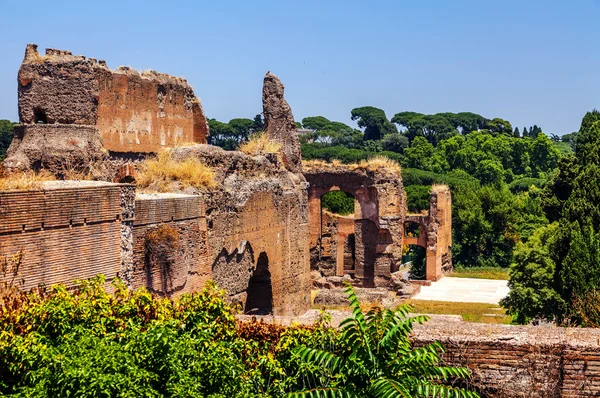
(435, 233)
(253, 234)
(249, 234)
(74, 109)
(376, 233)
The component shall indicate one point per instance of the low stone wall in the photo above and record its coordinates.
(520, 361)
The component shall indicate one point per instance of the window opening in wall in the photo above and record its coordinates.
(39, 116)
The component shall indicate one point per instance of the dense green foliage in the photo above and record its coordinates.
(88, 343)
(338, 202)
(6, 135)
(556, 276)
(418, 197)
(374, 121)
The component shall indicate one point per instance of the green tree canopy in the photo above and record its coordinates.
(374, 121)
(6, 135)
(315, 122)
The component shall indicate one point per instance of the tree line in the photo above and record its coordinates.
(6, 135)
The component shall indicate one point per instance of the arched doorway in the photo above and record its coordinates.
(259, 299)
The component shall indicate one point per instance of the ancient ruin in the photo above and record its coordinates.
(368, 245)
(249, 234)
(253, 233)
(258, 233)
(73, 109)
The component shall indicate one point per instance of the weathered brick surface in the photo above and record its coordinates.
(520, 361)
(128, 110)
(379, 208)
(187, 269)
(64, 233)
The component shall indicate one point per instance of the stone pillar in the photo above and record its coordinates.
(279, 122)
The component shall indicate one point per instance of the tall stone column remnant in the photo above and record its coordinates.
(280, 125)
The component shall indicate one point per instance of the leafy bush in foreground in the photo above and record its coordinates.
(89, 343)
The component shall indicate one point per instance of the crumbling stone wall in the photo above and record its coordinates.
(259, 208)
(435, 233)
(73, 108)
(380, 205)
(520, 361)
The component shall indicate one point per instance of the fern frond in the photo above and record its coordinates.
(332, 392)
(386, 388)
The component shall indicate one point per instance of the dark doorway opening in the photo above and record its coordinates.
(350, 254)
(260, 290)
(416, 256)
(39, 116)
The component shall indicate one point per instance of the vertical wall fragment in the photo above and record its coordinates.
(279, 122)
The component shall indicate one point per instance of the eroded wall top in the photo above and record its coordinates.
(133, 112)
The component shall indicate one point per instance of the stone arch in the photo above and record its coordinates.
(260, 288)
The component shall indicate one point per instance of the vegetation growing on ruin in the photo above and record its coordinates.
(23, 180)
(6, 135)
(496, 172)
(162, 173)
(260, 144)
(86, 342)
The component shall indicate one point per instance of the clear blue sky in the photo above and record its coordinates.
(527, 61)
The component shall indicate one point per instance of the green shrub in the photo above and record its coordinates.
(89, 343)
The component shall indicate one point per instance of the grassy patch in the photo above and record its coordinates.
(470, 312)
(496, 273)
(162, 172)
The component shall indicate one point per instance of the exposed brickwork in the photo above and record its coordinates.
(187, 268)
(128, 111)
(64, 232)
(435, 233)
(520, 361)
(379, 207)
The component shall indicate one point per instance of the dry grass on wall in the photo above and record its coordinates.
(259, 144)
(374, 163)
(163, 174)
(380, 162)
(24, 180)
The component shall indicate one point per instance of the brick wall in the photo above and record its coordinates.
(132, 111)
(64, 231)
(186, 269)
(520, 361)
